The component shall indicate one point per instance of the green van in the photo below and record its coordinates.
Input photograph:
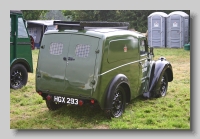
(20, 51)
(100, 63)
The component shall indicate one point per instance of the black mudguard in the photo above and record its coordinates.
(117, 80)
(159, 67)
(23, 62)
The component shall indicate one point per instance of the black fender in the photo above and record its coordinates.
(118, 80)
(159, 67)
(22, 61)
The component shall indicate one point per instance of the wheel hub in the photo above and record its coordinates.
(117, 104)
(163, 86)
(16, 78)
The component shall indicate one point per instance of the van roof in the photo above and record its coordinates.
(99, 32)
(42, 22)
(100, 29)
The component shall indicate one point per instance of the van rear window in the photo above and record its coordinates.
(82, 50)
(56, 48)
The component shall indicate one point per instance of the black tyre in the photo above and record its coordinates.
(118, 103)
(18, 76)
(53, 105)
(163, 86)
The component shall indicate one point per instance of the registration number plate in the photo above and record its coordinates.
(66, 100)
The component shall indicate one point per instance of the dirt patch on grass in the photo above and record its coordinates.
(101, 127)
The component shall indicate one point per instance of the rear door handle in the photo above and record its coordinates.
(64, 58)
(71, 59)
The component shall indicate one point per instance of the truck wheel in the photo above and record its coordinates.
(118, 103)
(52, 105)
(18, 76)
(163, 85)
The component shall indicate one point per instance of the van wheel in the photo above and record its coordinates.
(163, 86)
(18, 76)
(118, 103)
(52, 105)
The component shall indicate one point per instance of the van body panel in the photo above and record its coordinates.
(20, 46)
(91, 60)
(51, 65)
(20, 51)
(76, 62)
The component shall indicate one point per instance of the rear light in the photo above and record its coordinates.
(40, 93)
(92, 101)
(48, 97)
(80, 102)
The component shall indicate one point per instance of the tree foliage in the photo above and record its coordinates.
(33, 14)
(55, 15)
(136, 18)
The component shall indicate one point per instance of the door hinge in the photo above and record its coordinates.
(93, 82)
(97, 51)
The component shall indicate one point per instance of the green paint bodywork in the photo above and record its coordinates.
(20, 46)
(89, 77)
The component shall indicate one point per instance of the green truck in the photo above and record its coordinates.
(20, 51)
(100, 63)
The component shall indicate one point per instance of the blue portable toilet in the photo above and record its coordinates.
(177, 29)
(157, 29)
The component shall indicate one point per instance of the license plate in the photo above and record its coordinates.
(66, 100)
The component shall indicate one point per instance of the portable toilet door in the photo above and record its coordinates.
(177, 29)
(157, 29)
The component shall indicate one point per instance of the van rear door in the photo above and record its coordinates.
(52, 62)
(81, 63)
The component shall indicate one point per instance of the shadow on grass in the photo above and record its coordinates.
(67, 117)
(86, 113)
(70, 117)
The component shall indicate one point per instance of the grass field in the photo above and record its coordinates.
(29, 111)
